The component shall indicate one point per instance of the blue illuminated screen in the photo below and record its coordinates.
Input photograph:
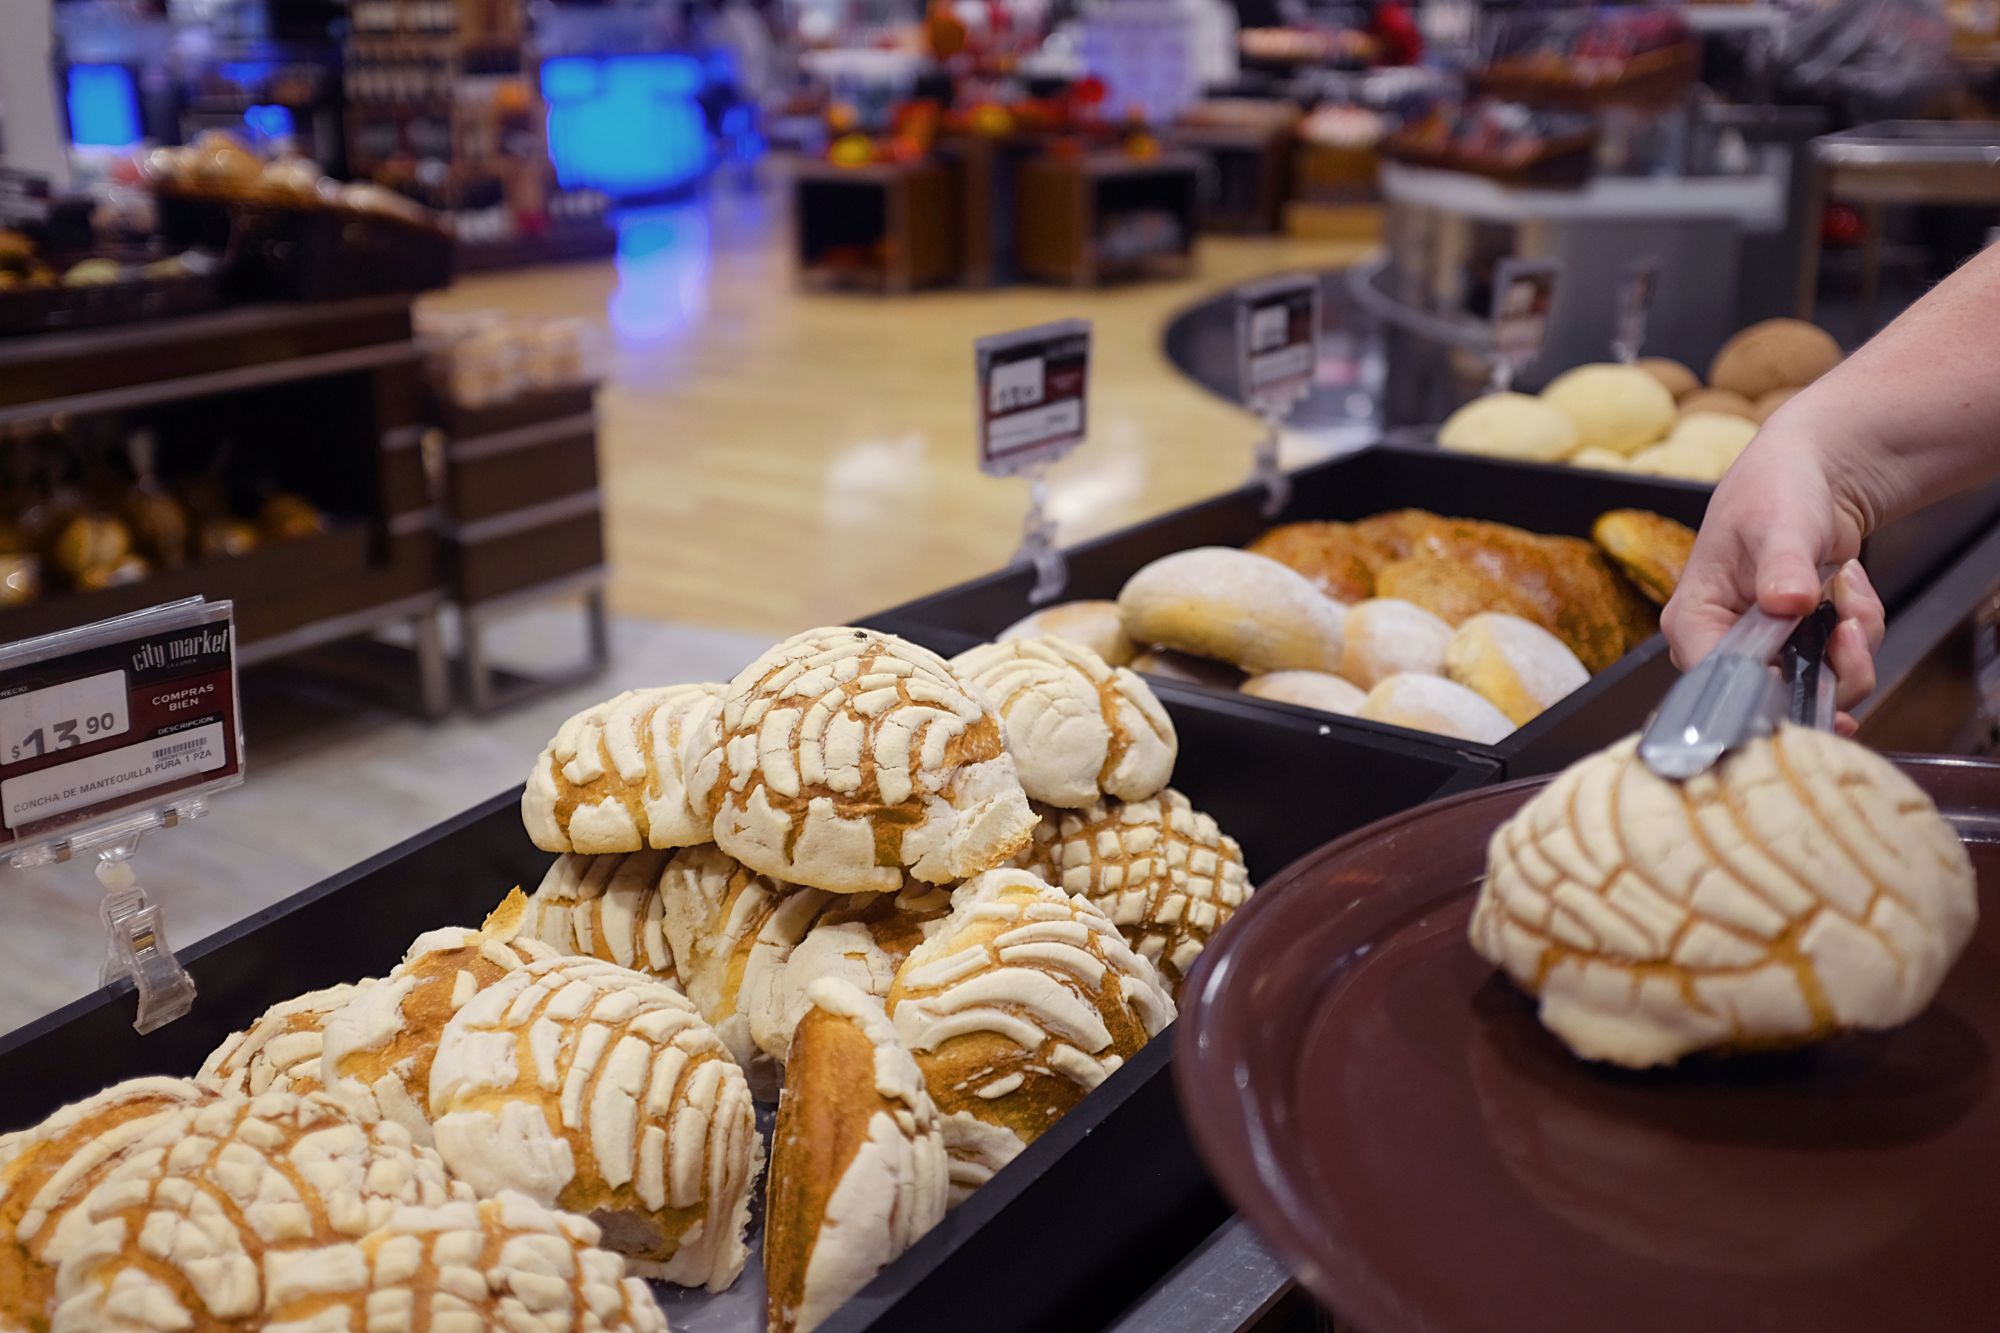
(103, 106)
(627, 124)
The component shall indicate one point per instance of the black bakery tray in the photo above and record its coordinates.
(1064, 1238)
(1540, 498)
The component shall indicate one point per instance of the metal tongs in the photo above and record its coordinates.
(1765, 669)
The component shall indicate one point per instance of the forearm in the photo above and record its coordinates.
(1914, 415)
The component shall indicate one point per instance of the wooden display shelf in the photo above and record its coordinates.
(1084, 220)
(1249, 173)
(889, 227)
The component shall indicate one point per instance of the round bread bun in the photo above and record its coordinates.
(1094, 624)
(1515, 665)
(1722, 437)
(1387, 635)
(1718, 400)
(1509, 425)
(1838, 899)
(1308, 689)
(1166, 664)
(1674, 377)
(1218, 602)
(1775, 354)
(1620, 408)
(1686, 462)
(1761, 410)
(1439, 706)
(1604, 460)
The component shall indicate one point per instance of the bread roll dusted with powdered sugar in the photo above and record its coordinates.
(843, 757)
(858, 1165)
(1077, 728)
(611, 780)
(594, 1089)
(1025, 1000)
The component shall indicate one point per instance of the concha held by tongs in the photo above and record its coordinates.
(1766, 668)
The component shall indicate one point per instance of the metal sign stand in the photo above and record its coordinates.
(1524, 299)
(1277, 353)
(1032, 389)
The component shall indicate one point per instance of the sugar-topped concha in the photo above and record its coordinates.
(604, 907)
(858, 1165)
(162, 1205)
(1024, 1001)
(1078, 729)
(595, 1089)
(280, 1052)
(1801, 888)
(378, 1047)
(611, 780)
(1162, 870)
(843, 757)
(505, 1263)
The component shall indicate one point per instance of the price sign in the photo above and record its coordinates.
(1524, 299)
(24, 196)
(1635, 306)
(1277, 342)
(101, 721)
(1033, 392)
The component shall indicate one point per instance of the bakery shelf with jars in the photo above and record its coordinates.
(801, 1031)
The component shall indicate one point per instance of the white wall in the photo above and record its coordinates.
(31, 132)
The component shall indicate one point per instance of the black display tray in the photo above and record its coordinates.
(1541, 498)
(1064, 1238)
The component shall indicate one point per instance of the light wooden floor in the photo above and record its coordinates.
(775, 459)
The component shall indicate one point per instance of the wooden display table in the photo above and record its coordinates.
(1105, 216)
(887, 227)
(332, 396)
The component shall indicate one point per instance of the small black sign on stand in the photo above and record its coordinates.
(1033, 390)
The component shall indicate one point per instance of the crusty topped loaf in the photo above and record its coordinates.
(1802, 887)
(162, 1205)
(1161, 870)
(280, 1052)
(595, 1089)
(1025, 1000)
(604, 907)
(611, 779)
(842, 757)
(858, 1165)
(1077, 728)
(501, 1263)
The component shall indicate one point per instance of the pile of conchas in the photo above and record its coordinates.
(1654, 416)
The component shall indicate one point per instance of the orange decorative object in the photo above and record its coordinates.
(943, 33)
(851, 150)
(513, 96)
(1142, 145)
(905, 148)
(840, 117)
(992, 119)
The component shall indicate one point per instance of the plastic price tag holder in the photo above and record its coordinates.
(106, 733)
(1033, 391)
(1524, 298)
(1636, 287)
(1277, 355)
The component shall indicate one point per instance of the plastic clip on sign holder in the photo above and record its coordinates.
(1277, 358)
(106, 733)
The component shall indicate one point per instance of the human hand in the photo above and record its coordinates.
(1778, 519)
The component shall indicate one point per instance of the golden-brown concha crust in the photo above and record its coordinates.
(858, 1165)
(843, 757)
(1024, 1001)
(501, 1263)
(1773, 354)
(1164, 873)
(1094, 624)
(1802, 887)
(379, 1045)
(860, 940)
(1077, 728)
(598, 1090)
(612, 781)
(280, 1052)
(1230, 605)
(162, 1205)
(1649, 549)
(1333, 557)
(604, 907)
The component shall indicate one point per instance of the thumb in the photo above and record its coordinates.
(1788, 581)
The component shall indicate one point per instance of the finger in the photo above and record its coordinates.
(1845, 725)
(1788, 581)
(1853, 661)
(1695, 629)
(1855, 598)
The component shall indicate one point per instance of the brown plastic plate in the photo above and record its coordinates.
(1389, 1114)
